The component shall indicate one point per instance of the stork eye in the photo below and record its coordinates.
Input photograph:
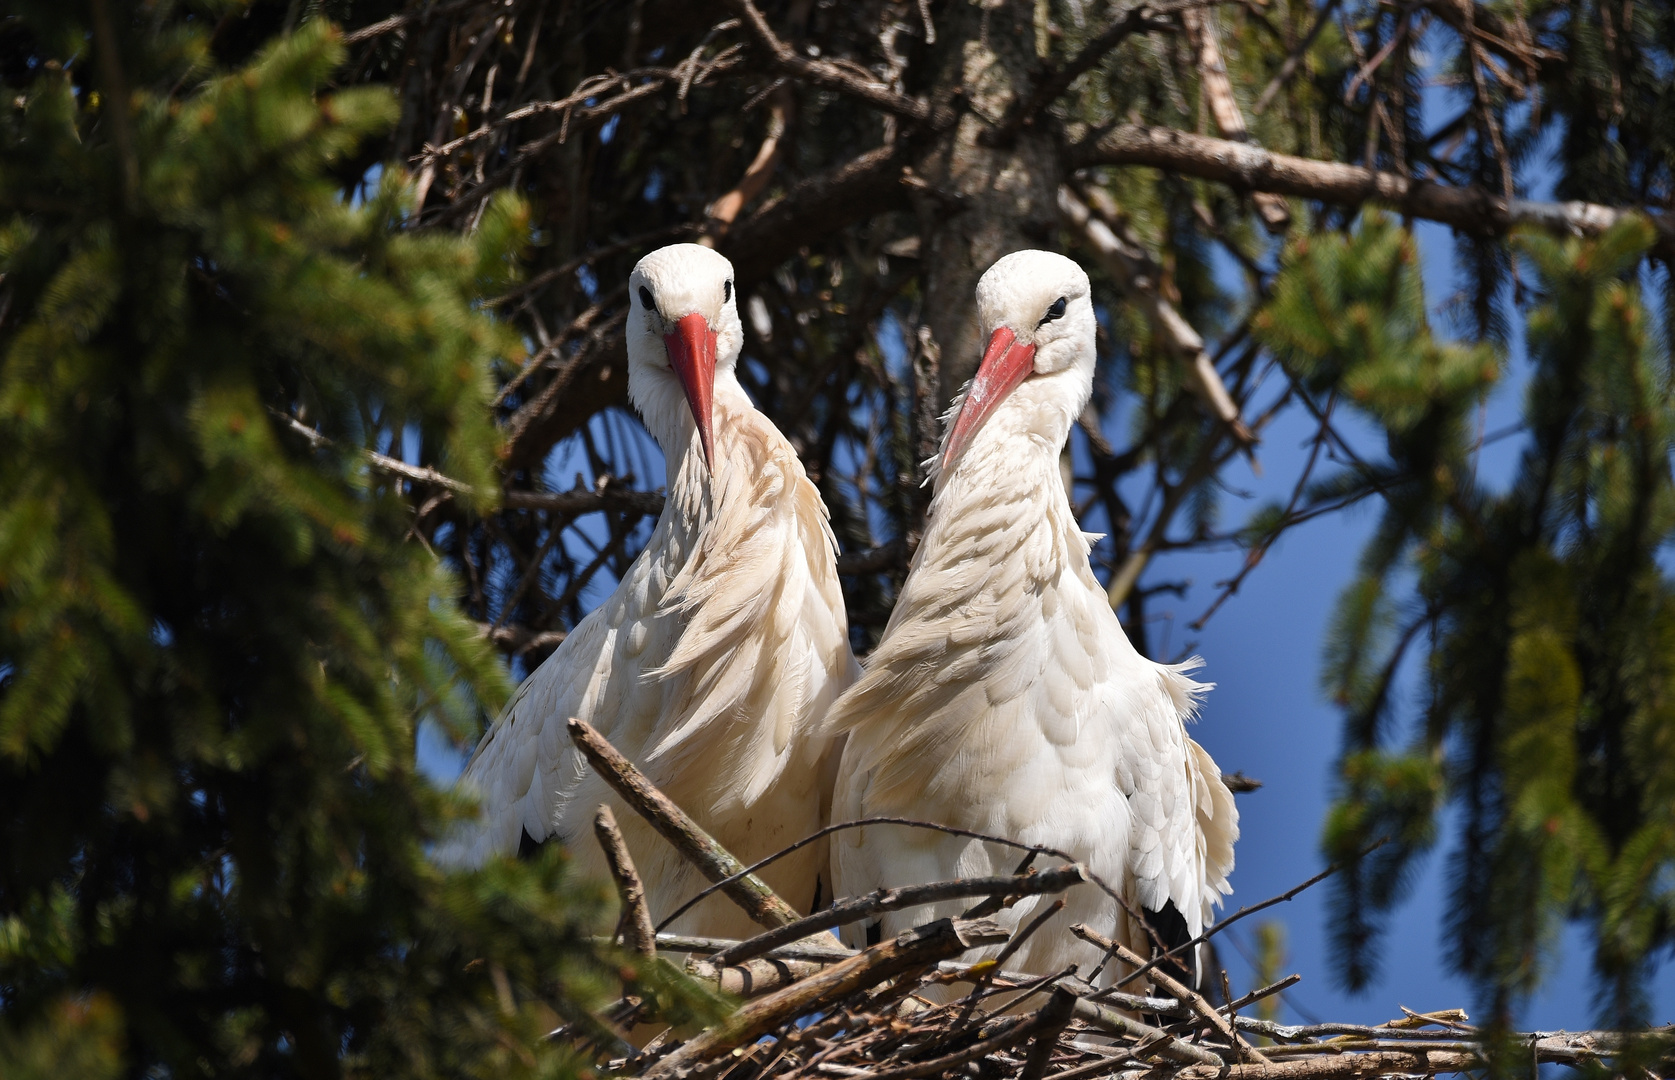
(726, 290)
(645, 298)
(1054, 312)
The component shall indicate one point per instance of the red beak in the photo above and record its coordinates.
(692, 355)
(1006, 363)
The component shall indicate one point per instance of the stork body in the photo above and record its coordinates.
(714, 658)
(1004, 696)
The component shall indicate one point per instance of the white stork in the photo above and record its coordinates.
(1005, 697)
(718, 653)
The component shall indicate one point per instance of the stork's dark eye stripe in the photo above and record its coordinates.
(645, 298)
(726, 291)
(1054, 312)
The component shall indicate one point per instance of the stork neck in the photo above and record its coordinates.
(1007, 481)
(1016, 445)
(688, 480)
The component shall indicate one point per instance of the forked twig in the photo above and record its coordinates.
(634, 925)
(714, 861)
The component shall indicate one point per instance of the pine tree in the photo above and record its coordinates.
(216, 632)
(1547, 619)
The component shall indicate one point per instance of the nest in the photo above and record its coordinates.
(912, 1007)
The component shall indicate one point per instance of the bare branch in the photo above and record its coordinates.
(1468, 209)
(883, 900)
(613, 499)
(1140, 17)
(634, 925)
(1212, 77)
(826, 74)
(924, 945)
(726, 209)
(518, 640)
(1181, 992)
(863, 187)
(697, 846)
(1294, 60)
(870, 561)
(1131, 269)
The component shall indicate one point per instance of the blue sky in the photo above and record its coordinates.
(1268, 719)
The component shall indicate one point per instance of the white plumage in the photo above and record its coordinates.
(718, 652)
(1004, 696)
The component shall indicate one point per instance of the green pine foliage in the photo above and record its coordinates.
(216, 634)
(1545, 613)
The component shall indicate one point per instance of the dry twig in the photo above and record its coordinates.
(697, 846)
(634, 926)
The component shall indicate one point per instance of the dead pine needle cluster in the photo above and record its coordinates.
(920, 1006)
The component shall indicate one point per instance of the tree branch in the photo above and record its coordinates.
(861, 188)
(697, 846)
(1293, 61)
(880, 901)
(618, 500)
(826, 74)
(1130, 267)
(634, 924)
(1212, 78)
(725, 210)
(1142, 16)
(923, 945)
(1470, 210)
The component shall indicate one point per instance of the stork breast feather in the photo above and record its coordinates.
(742, 645)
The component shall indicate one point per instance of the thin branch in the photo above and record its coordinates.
(634, 925)
(613, 499)
(697, 846)
(1052, 84)
(725, 210)
(826, 74)
(823, 950)
(1145, 1035)
(1289, 68)
(880, 901)
(889, 556)
(397, 22)
(418, 474)
(1212, 77)
(924, 945)
(1181, 991)
(1047, 1022)
(1253, 558)
(1131, 268)
(1251, 909)
(517, 640)
(912, 823)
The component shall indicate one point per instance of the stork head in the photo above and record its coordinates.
(683, 326)
(1036, 313)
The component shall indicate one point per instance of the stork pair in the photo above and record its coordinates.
(1004, 697)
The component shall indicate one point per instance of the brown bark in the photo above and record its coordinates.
(918, 947)
(981, 202)
(1469, 209)
(634, 925)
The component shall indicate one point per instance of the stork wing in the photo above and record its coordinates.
(514, 770)
(1182, 819)
(731, 625)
